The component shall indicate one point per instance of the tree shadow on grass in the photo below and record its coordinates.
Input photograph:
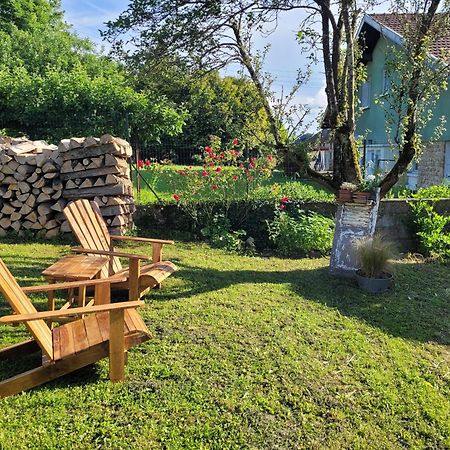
(415, 308)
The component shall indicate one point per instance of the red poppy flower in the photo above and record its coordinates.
(204, 173)
(269, 157)
(235, 177)
(140, 163)
(176, 197)
(241, 166)
(208, 149)
(252, 166)
(282, 206)
(284, 199)
(219, 169)
(147, 162)
(214, 187)
(222, 154)
(235, 141)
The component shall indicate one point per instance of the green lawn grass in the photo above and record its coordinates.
(258, 353)
(306, 190)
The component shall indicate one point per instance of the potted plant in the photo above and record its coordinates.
(366, 190)
(346, 192)
(374, 254)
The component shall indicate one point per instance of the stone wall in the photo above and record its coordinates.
(431, 165)
(394, 218)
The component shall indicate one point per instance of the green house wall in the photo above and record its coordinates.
(371, 122)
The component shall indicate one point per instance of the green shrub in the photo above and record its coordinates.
(441, 191)
(302, 234)
(434, 239)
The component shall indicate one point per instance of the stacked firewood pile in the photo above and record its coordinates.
(97, 169)
(30, 187)
(38, 179)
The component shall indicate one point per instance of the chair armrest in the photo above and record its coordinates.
(110, 253)
(45, 315)
(141, 239)
(71, 285)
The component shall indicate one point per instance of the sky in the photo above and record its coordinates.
(283, 59)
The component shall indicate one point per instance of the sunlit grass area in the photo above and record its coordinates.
(251, 352)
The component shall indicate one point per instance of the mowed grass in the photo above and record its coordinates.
(296, 189)
(260, 353)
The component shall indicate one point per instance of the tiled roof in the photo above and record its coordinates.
(397, 23)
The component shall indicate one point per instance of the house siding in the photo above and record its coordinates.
(371, 123)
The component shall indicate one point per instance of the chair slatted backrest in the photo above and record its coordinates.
(86, 221)
(21, 304)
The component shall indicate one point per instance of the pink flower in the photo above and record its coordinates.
(208, 149)
(222, 154)
(147, 162)
(219, 169)
(252, 166)
(237, 153)
(214, 187)
(251, 177)
(269, 157)
(176, 197)
(282, 206)
(235, 141)
(140, 163)
(241, 166)
(284, 199)
(235, 177)
(204, 173)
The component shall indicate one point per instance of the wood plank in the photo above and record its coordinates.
(116, 346)
(56, 333)
(135, 272)
(67, 343)
(80, 339)
(97, 172)
(92, 331)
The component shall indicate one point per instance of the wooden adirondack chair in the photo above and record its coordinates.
(86, 222)
(107, 329)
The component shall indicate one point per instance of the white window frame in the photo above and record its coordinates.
(366, 94)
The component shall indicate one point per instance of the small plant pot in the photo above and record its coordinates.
(345, 195)
(361, 197)
(374, 285)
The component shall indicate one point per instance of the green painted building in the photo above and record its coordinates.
(379, 33)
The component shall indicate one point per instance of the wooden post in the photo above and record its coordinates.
(82, 296)
(116, 345)
(133, 279)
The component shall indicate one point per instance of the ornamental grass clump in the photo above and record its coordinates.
(374, 255)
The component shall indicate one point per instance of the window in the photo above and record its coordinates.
(365, 94)
(386, 81)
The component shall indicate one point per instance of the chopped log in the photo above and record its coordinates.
(78, 167)
(27, 224)
(24, 187)
(20, 177)
(16, 225)
(117, 210)
(48, 190)
(33, 177)
(2, 176)
(5, 159)
(99, 182)
(89, 152)
(44, 209)
(50, 175)
(121, 220)
(76, 143)
(5, 222)
(97, 172)
(43, 219)
(24, 147)
(65, 227)
(64, 145)
(52, 233)
(23, 197)
(25, 209)
(43, 198)
(8, 194)
(10, 168)
(116, 180)
(57, 184)
(31, 200)
(26, 158)
(36, 226)
(9, 180)
(32, 217)
(57, 194)
(71, 185)
(2, 232)
(16, 216)
(7, 209)
(87, 183)
(51, 224)
(16, 204)
(91, 141)
(25, 169)
(49, 167)
(86, 162)
(59, 205)
(66, 167)
(39, 183)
